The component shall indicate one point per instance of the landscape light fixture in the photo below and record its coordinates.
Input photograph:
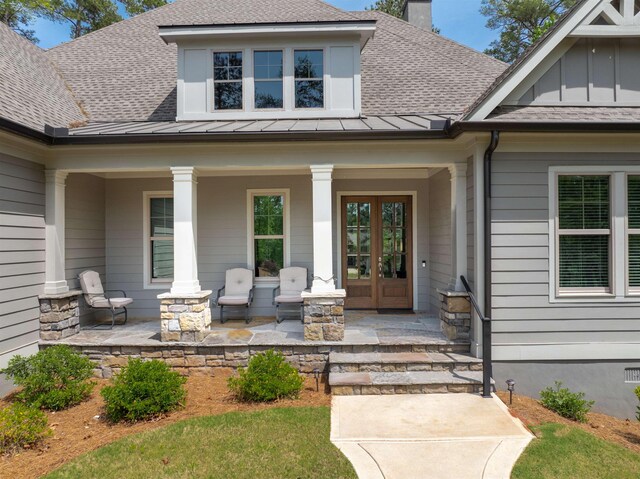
(316, 374)
(511, 386)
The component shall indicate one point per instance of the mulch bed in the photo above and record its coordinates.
(621, 431)
(76, 430)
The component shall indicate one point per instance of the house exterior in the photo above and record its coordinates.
(388, 160)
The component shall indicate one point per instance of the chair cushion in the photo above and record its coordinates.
(293, 281)
(90, 282)
(233, 300)
(238, 282)
(102, 302)
(283, 298)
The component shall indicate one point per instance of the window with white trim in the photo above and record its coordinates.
(309, 78)
(267, 77)
(633, 232)
(159, 238)
(227, 81)
(268, 233)
(584, 233)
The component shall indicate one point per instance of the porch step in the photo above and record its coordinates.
(414, 382)
(400, 362)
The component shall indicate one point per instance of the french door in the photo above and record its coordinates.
(377, 266)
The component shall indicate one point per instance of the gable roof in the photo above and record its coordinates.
(125, 72)
(33, 93)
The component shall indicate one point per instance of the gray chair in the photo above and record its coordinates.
(98, 298)
(293, 281)
(238, 291)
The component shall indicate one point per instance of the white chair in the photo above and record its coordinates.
(293, 281)
(98, 298)
(238, 291)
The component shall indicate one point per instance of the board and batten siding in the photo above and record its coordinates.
(85, 231)
(526, 324)
(439, 235)
(222, 231)
(22, 255)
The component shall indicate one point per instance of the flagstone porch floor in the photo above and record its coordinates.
(361, 328)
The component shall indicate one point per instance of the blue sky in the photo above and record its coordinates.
(459, 20)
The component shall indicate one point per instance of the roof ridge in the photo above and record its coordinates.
(439, 37)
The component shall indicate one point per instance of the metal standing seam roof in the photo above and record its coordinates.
(407, 123)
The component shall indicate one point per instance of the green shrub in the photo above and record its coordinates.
(567, 404)
(267, 378)
(637, 391)
(54, 378)
(21, 426)
(142, 390)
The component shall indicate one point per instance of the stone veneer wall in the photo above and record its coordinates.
(455, 314)
(193, 360)
(59, 316)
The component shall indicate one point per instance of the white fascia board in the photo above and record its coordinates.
(171, 34)
(606, 31)
(482, 111)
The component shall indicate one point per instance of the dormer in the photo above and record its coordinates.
(269, 70)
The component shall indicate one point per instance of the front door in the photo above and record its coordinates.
(377, 267)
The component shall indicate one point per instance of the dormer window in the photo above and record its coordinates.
(309, 78)
(227, 80)
(267, 75)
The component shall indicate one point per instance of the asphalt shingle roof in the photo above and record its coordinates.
(565, 113)
(32, 92)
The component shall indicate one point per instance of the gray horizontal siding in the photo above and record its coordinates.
(21, 254)
(522, 311)
(84, 231)
(440, 248)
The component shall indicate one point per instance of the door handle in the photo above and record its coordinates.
(379, 267)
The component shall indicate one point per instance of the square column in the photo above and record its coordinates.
(185, 231)
(54, 277)
(458, 223)
(323, 280)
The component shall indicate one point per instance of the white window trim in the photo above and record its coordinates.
(285, 193)
(326, 78)
(149, 282)
(619, 291)
(255, 80)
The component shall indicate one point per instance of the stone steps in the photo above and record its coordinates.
(404, 373)
(400, 362)
(408, 382)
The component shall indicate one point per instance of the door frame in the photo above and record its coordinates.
(414, 231)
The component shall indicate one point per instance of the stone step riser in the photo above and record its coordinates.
(463, 348)
(402, 367)
(405, 389)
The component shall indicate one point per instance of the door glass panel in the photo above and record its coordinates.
(365, 214)
(400, 214)
(401, 266)
(365, 240)
(387, 266)
(352, 266)
(352, 240)
(387, 214)
(401, 245)
(387, 240)
(352, 214)
(365, 267)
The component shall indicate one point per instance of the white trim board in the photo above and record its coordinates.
(414, 233)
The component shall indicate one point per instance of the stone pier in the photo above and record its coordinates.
(59, 315)
(455, 314)
(324, 315)
(184, 317)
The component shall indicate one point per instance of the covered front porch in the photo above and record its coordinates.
(105, 218)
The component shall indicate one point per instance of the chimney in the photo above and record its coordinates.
(418, 13)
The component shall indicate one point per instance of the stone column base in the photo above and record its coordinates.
(324, 316)
(59, 315)
(455, 314)
(184, 317)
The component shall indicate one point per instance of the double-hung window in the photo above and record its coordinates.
(227, 81)
(160, 238)
(267, 76)
(309, 78)
(268, 229)
(584, 233)
(633, 230)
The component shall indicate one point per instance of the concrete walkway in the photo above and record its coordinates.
(427, 436)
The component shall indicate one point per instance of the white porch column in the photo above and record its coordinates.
(54, 281)
(322, 230)
(458, 223)
(185, 231)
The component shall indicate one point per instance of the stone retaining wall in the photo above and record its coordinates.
(188, 359)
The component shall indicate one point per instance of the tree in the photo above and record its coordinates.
(521, 22)
(17, 14)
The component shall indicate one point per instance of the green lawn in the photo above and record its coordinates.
(274, 443)
(565, 452)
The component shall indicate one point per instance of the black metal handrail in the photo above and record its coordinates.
(487, 371)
